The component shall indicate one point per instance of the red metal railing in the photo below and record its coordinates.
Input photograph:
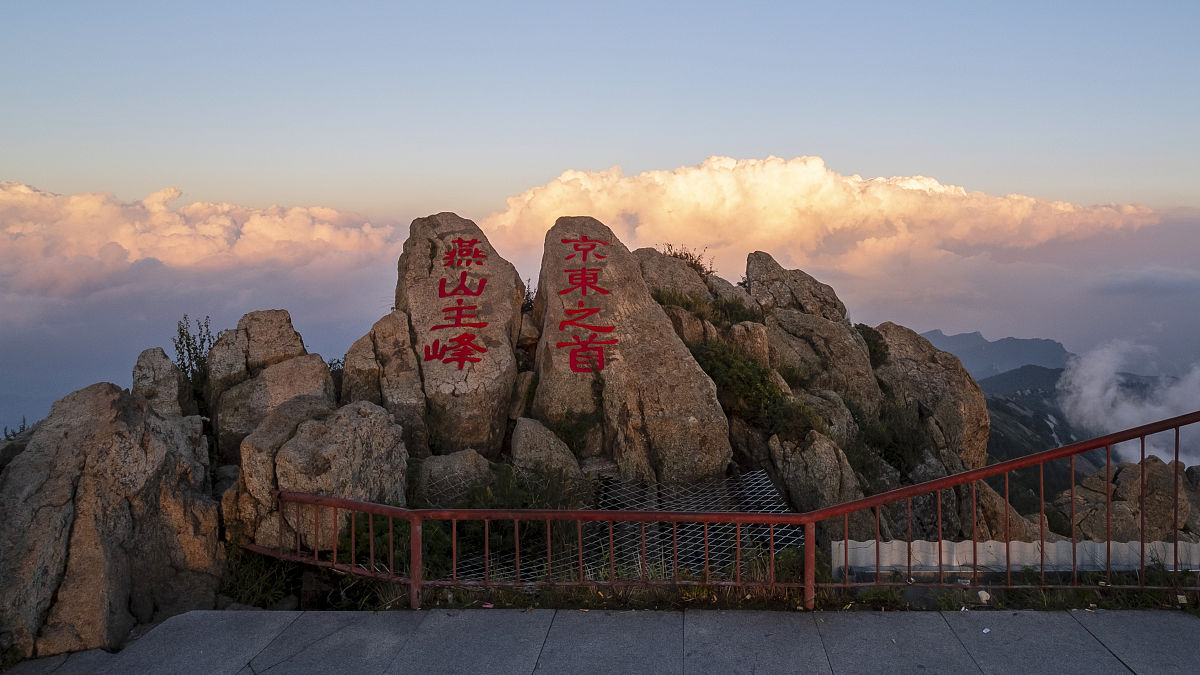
(547, 548)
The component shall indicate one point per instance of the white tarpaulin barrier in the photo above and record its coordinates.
(990, 555)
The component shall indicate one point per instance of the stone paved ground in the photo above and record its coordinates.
(503, 641)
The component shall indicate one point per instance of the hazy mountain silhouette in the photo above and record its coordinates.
(984, 358)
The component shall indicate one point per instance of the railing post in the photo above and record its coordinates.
(414, 575)
(810, 565)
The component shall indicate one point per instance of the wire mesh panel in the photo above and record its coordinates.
(617, 550)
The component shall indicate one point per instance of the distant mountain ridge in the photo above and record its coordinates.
(983, 358)
(1027, 379)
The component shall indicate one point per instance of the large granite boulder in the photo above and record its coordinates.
(354, 452)
(610, 360)
(243, 406)
(463, 302)
(106, 524)
(775, 288)
(809, 336)
(536, 448)
(750, 338)
(253, 369)
(933, 386)
(261, 339)
(670, 275)
(690, 328)
(815, 473)
(442, 480)
(728, 292)
(824, 355)
(1123, 519)
(381, 367)
(158, 380)
(1191, 489)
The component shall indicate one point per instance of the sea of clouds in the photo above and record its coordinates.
(89, 280)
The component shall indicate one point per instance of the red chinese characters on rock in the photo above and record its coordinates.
(462, 348)
(583, 246)
(585, 355)
(582, 279)
(464, 254)
(463, 288)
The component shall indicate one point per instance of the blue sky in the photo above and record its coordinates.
(384, 112)
(395, 109)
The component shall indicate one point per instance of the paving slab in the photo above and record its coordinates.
(721, 642)
(79, 663)
(1146, 641)
(891, 642)
(604, 641)
(202, 642)
(1005, 641)
(493, 641)
(330, 642)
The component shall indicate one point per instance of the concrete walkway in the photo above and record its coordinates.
(503, 641)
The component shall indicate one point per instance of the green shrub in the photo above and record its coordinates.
(732, 311)
(694, 259)
(255, 579)
(745, 389)
(797, 377)
(876, 346)
(336, 368)
(719, 312)
(896, 437)
(10, 434)
(574, 427)
(530, 294)
(191, 352)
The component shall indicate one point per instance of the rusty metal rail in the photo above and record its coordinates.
(502, 548)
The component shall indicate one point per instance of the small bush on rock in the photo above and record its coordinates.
(876, 345)
(695, 259)
(255, 579)
(745, 390)
(719, 312)
(191, 351)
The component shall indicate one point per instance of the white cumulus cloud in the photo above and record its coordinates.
(71, 245)
(1095, 396)
(802, 212)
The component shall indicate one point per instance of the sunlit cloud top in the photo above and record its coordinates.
(801, 211)
(64, 245)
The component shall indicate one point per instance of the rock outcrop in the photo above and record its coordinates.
(728, 292)
(354, 452)
(381, 368)
(106, 524)
(609, 360)
(775, 288)
(934, 387)
(536, 448)
(442, 480)
(809, 335)
(670, 275)
(463, 303)
(1123, 520)
(158, 380)
(690, 328)
(255, 368)
(815, 472)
